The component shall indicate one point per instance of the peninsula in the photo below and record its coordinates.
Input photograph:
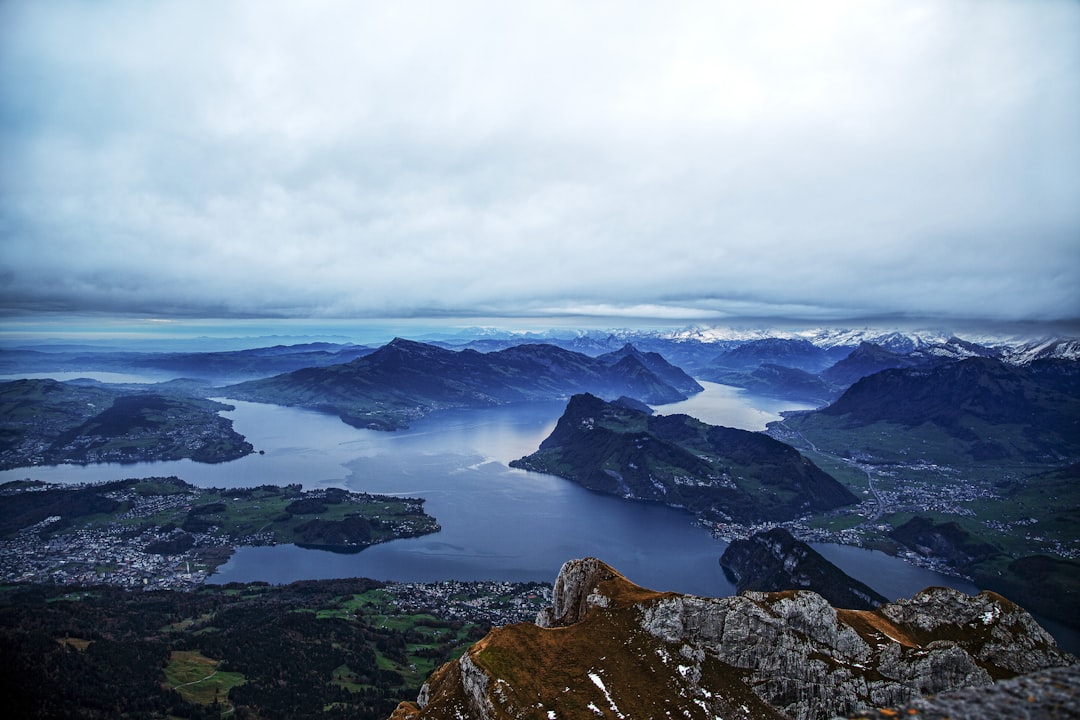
(166, 533)
(721, 474)
(46, 422)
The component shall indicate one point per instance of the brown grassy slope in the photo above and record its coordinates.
(614, 649)
(553, 669)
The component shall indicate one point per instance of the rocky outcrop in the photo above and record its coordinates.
(774, 560)
(574, 592)
(609, 648)
(1052, 694)
(808, 660)
(1002, 636)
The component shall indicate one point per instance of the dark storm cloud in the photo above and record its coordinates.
(400, 159)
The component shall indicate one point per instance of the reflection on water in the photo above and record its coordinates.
(891, 576)
(498, 523)
(732, 407)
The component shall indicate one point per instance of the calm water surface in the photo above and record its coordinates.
(498, 523)
(732, 406)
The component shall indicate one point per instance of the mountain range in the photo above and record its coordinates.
(812, 366)
(798, 369)
(232, 364)
(763, 361)
(405, 380)
(720, 473)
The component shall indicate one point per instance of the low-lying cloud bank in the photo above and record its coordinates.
(820, 161)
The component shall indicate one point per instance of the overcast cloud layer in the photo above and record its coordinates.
(692, 161)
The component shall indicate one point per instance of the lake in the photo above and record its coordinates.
(498, 522)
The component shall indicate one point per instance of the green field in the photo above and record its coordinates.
(287, 513)
(165, 533)
(335, 649)
(1024, 507)
(259, 515)
(198, 679)
(1029, 512)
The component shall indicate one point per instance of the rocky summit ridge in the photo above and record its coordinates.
(609, 648)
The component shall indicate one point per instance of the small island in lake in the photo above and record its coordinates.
(166, 533)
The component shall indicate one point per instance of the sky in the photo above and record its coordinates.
(624, 162)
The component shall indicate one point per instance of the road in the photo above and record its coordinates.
(880, 509)
(195, 682)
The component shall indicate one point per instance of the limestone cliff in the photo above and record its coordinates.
(609, 648)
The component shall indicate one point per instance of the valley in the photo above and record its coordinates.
(975, 494)
(976, 453)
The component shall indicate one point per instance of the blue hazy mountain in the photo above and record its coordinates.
(404, 380)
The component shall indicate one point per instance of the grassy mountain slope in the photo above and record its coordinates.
(979, 407)
(49, 422)
(714, 471)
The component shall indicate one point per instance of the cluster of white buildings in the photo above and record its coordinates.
(109, 556)
(496, 602)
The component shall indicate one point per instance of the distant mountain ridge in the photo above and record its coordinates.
(716, 472)
(234, 364)
(798, 354)
(404, 380)
(799, 370)
(814, 365)
(725, 355)
(864, 360)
